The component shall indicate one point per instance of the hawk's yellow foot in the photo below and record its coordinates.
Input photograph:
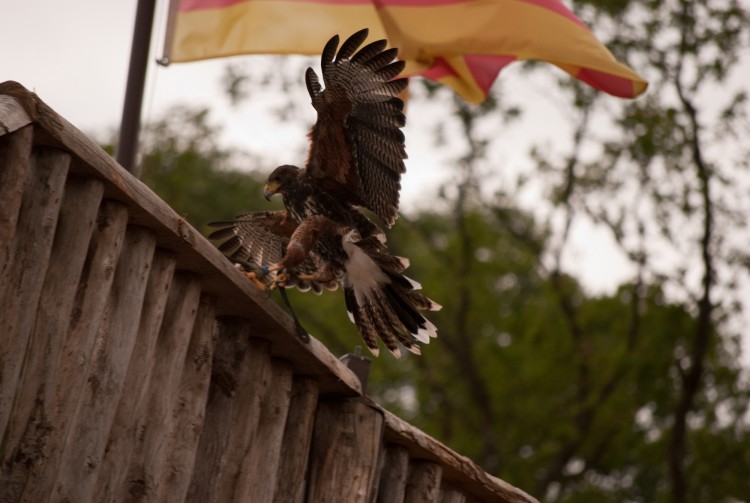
(279, 273)
(258, 283)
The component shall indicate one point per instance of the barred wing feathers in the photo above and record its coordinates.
(260, 238)
(356, 144)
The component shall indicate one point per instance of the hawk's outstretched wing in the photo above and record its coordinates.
(260, 238)
(357, 147)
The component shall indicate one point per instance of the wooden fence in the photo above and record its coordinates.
(136, 364)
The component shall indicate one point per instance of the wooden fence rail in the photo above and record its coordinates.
(136, 364)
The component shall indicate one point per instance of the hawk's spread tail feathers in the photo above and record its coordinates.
(382, 302)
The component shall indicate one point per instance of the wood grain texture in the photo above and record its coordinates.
(189, 409)
(15, 158)
(72, 368)
(253, 380)
(290, 482)
(423, 482)
(147, 463)
(449, 494)
(12, 115)
(257, 480)
(393, 474)
(344, 454)
(22, 281)
(112, 348)
(457, 469)
(132, 410)
(229, 356)
(241, 378)
(29, 426)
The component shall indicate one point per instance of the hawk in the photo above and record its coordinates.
(322, 239)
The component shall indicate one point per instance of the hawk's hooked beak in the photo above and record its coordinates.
(269, 189)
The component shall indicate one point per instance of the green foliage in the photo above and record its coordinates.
(183, 164)
(667, 185)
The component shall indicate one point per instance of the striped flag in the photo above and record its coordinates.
(460, 43)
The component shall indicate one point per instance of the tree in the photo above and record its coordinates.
(669, 178)
(183, 163)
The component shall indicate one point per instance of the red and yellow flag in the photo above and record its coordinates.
(461, 43)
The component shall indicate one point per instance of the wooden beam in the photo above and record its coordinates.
(190, 407)
(228, 361)
(449, 494)
(12, 117)
(29, 425)
(147, 464)
(132, 410)
(290, 481)
(344, 454)
(115, 340)
(457, 469)
(72, 368)
(423, 483)
(260, 464)
(22, 280)
(393, 474)
(15, 158)
(253, 378)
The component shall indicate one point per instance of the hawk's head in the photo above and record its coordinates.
(279, 178)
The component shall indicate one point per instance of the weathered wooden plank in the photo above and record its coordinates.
(189, 411)
(21, 285)
(449, 494)
(344, 453)
(240, 383)
(257, 480)
(253, 381)
(230, 357)
(12, 115)
(146, 465)
(235, 294)
(15, 158)
(113, 346)
(132, 410)
(423, 482)
(71, 371)
(393, 474)
(29, 421)
(290, 482)
(457, 469)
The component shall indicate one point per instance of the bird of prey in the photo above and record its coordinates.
(322, 239)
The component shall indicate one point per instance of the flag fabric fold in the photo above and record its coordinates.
(460, 43)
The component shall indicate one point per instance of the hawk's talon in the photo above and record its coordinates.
(280, 280)
(282, 277)
(257, 282)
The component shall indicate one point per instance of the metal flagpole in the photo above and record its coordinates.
(127, 145)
